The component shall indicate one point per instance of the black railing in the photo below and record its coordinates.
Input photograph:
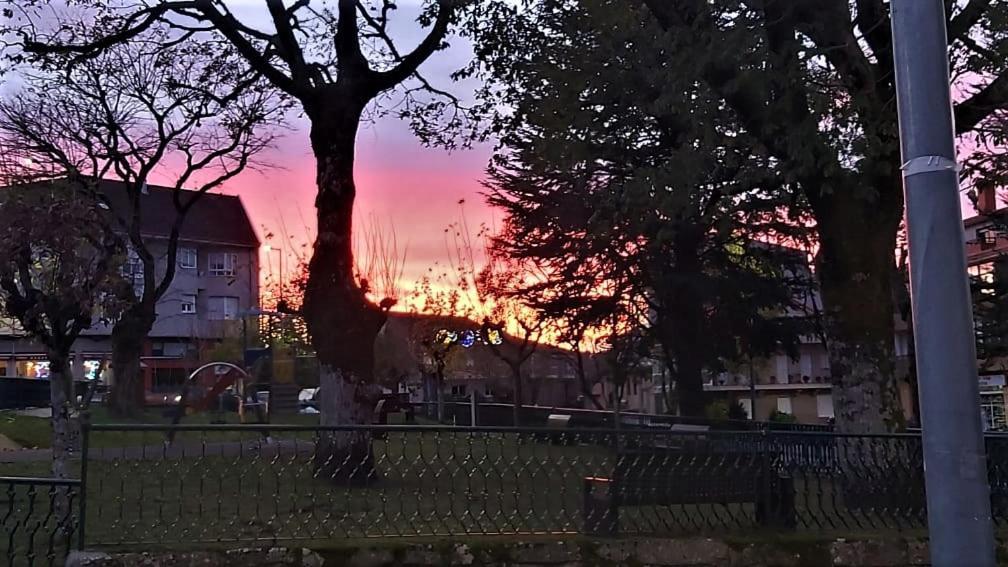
(275, 483)
(37, 520)
(502, 415)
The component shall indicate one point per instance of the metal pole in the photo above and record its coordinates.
(281, 278)
(958, 496)
(85, 427)
(752, 392)
(472, 408)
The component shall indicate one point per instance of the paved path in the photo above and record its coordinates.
(181, 450)
(7, 445)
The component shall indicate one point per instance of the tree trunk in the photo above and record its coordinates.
(855, 264)
(60, 391)
(345, 456)
(682, 335)
(342, 323)
(60, 388)
(440, 398)
(128, 336)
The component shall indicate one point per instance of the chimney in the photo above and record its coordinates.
(986, 198)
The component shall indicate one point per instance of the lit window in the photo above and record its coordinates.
(188, 302)
(223, 264)
(187, 258)
(784, 405)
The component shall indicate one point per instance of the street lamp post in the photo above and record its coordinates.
(958, 496)
(267, 249)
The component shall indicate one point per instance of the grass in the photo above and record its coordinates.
(36, 432)
(433, 484)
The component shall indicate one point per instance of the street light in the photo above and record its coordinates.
(267, 249)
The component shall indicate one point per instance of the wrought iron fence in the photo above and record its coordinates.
(502, 415)
(282, 483)
(38, 519)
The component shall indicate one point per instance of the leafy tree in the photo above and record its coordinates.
(59, 274)
(134, 112)
(811, 82)
(630, 189)
(336, 60)
(989, 287)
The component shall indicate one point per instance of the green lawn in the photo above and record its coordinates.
(433, 483)
(35, 432)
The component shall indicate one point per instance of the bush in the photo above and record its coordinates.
(782, 417)
(737, 412)
(717, 410)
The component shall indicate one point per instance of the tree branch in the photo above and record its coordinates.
(960, 25)
(974, 110)
(409, 63)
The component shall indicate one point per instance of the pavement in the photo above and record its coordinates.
(7, 445)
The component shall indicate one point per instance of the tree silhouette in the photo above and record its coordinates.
(812, 82)
(130, 112)
(335, 60)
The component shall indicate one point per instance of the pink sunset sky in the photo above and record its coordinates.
(402, 184)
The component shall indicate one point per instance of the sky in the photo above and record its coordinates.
(413, 190)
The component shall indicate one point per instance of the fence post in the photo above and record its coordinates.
(85, 429)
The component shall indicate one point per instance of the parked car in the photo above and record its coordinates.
(308, 401)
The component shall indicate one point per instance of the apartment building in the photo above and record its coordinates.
(216, 280)
(986, 245)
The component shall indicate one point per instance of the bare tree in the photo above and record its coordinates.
(134, 111)
(335, 59)
(486, 282)
(59, 274)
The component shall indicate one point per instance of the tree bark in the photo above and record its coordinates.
(60, 391)
(682, 324)
(854, 267)
(60, 388)
(128, 336)
(342, 323)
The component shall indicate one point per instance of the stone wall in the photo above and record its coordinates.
(694, 552)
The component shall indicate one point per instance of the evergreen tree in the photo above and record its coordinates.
(631, 188)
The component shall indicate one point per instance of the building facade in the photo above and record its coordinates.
(987, 246)
(216, 280)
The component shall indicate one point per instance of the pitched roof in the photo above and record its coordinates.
(214, 218)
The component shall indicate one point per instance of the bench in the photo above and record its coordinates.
(653, 476)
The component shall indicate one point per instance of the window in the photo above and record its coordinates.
(747, 406)
(187, 259)
(169, 349)
(824, 405)
(188, 303)
(458, 390)
(223, 264)
(168, 379)
(983, 276)
(784, 405)
(222, 308)
(133, 272)
(992, 410)
(987, 237)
